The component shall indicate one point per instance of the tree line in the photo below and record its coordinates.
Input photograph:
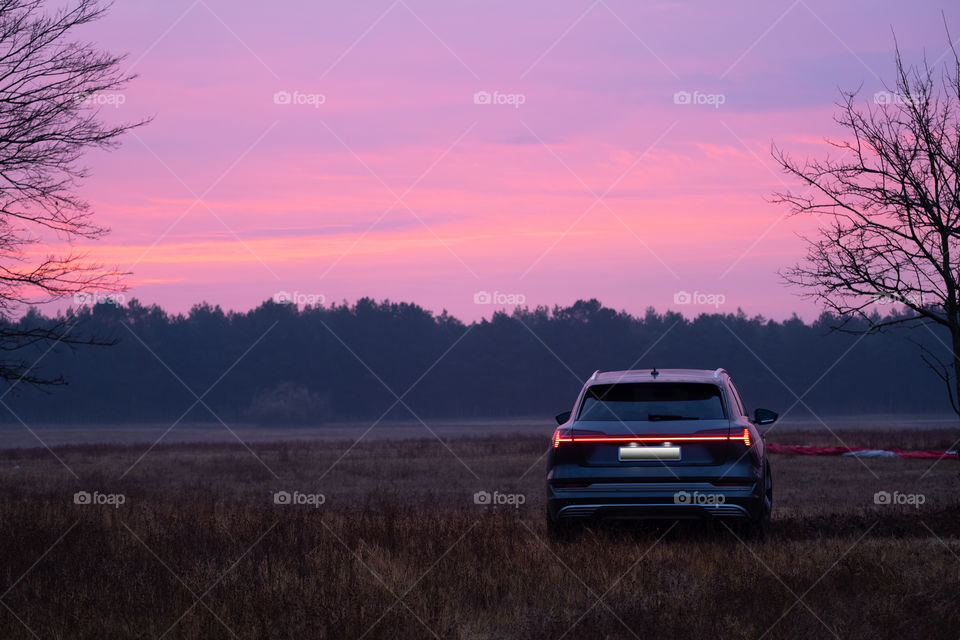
(278, 363)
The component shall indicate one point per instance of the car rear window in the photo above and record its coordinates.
(652, 401)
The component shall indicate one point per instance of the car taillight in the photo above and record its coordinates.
(571, 435)
(745, 438)
(561, 435)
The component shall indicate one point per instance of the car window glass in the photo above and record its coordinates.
(652, 402)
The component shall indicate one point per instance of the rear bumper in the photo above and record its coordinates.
(659, 501)
(651, 511)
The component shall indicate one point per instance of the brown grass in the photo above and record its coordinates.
(400, 550)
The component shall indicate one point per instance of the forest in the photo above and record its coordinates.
(287, 364)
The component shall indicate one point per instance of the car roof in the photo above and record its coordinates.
(662, 375)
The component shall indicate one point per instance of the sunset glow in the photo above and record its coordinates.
(428, 151)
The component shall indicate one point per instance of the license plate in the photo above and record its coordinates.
(649, 453)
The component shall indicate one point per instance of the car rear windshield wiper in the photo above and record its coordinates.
(653, 417)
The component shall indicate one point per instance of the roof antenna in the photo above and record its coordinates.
(654, 373)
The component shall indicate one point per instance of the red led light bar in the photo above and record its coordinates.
(558, 437)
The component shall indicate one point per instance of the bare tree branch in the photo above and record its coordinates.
(50, 85)
(889, 207)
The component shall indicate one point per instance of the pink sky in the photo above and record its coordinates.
(400, 186)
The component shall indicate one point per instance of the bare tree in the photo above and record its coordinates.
(890, 206)
(50, 90)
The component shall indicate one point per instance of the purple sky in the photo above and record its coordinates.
(384, 176)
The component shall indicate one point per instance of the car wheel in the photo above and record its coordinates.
(758, 527)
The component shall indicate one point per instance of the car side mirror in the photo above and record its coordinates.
(562, 417)
(765, 416)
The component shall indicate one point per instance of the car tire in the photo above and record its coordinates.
(757, 528)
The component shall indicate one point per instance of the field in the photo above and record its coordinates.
(384, 539)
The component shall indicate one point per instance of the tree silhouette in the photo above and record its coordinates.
(346, 362)
(50, 86)
(891, 209)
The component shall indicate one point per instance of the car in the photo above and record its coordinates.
(667, 444)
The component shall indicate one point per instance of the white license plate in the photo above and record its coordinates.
(628, 454)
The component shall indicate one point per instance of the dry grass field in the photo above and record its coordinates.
(200, 548)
